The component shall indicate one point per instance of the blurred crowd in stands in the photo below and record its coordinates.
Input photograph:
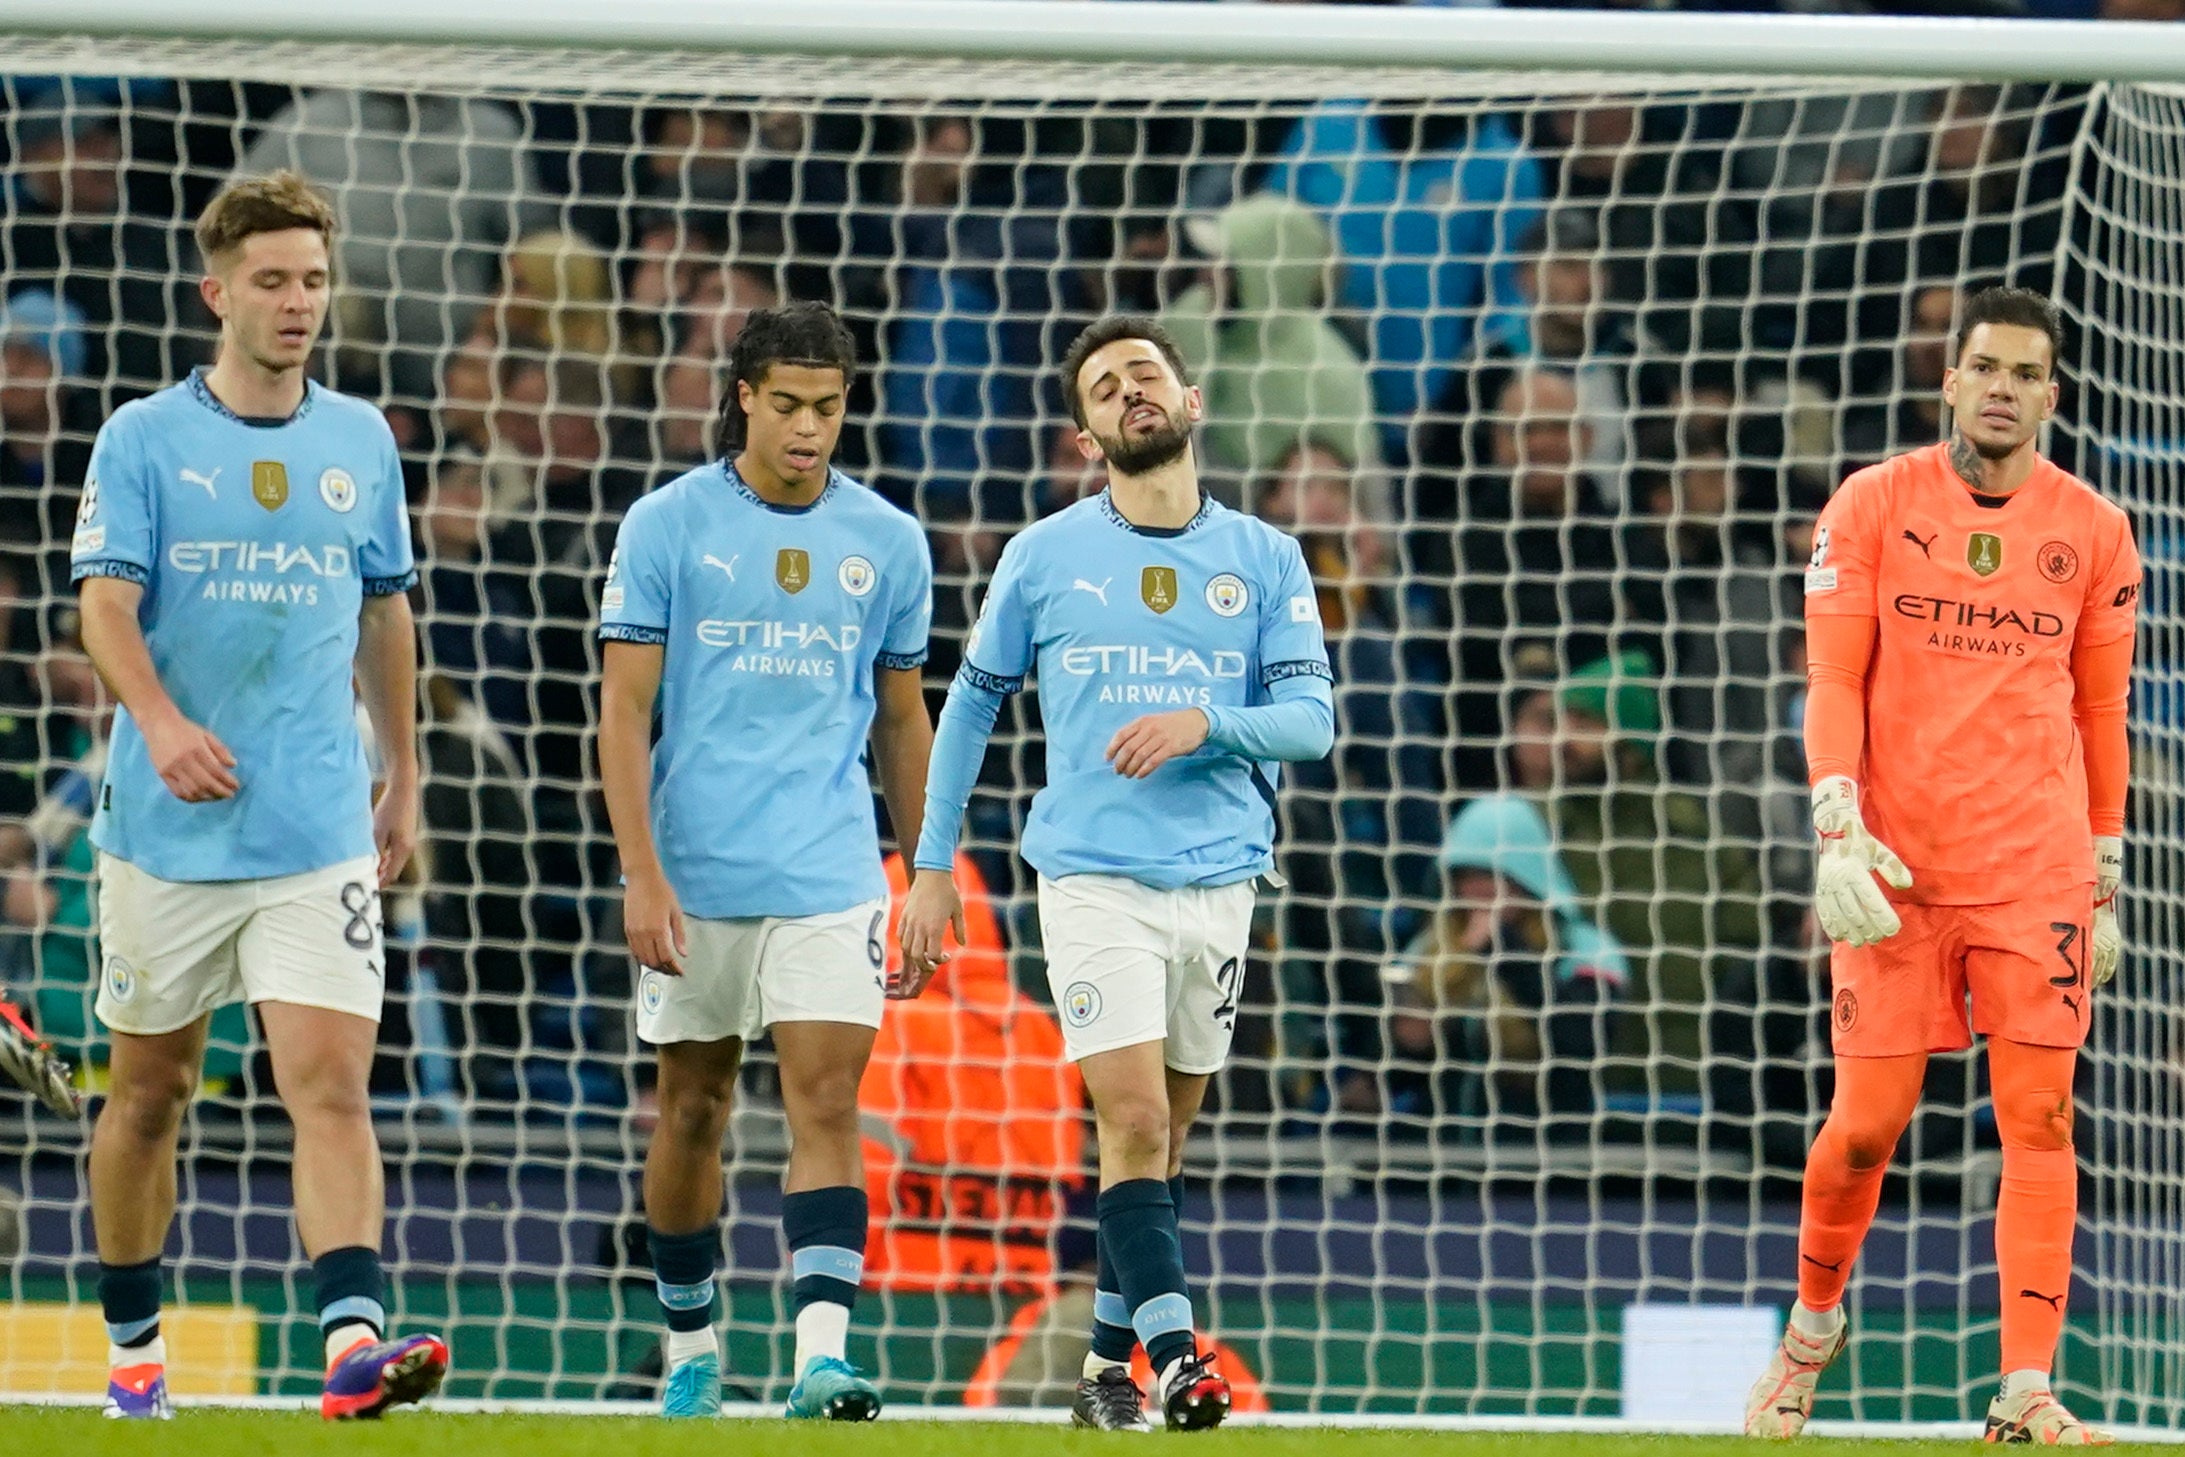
(1550, 391)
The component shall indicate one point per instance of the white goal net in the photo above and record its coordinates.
(1550, 371)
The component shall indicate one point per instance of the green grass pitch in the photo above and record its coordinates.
(82, 1432)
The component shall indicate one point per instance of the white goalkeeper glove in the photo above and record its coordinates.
(1849, 905)
(2108, 875)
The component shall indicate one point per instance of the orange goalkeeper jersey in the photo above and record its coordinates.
(1973, 770)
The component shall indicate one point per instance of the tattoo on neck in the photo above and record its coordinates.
(1966, 461)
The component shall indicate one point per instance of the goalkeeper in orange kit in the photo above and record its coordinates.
(1969, 612)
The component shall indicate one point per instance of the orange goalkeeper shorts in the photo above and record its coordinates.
(2024, 966)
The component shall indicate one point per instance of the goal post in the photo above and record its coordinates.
(1547, 333)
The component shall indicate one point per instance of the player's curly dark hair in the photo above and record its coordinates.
(799, 333)
(1099, 335)
(2020, 307)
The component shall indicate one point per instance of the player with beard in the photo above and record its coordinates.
(1970, 616)
(1180, 661)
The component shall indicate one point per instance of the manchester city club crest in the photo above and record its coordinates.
(650, 991)
(1157, 585)
(856, 575)
(269, 484)
(1081, 1003)
(338, 489)
(1226, 595)
(1984, 553)
(792, 569)
(121, 979)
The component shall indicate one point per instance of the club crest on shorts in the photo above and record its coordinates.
(338, 489)
(269, 484)
(1226, 595)
(121, 979)
(1157, 585)
(2059, 561)
(1081, 1003)
(1847, 1009)
(856, 575)
(792, 569)
(1984, 553)
(651, 991)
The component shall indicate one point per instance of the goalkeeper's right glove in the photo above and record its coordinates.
(28, 1060)
(2108, 875)
(1849, 905)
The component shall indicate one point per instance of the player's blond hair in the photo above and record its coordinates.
(252, 205)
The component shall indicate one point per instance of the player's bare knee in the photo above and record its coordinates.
(328, 1102)
(147, 1105)
(823, 1100)
(1136, 1132)
(694, 1115)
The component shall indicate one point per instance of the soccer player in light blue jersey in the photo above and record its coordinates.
(775, 613)
(241, 555)
(1179, 655)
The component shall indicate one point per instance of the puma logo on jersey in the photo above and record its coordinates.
(728, 566)
(1101, 591)
(1924, 546)
(194, 478)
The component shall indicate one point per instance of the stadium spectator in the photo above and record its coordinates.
(1647, 859)
(473, 614)
(556, 304)
(974, 247)
(1971, 208)
(1567, 326)
(431, 190)
(748, 185)
(1427, 211)
(1699, 590)
(1675, 244)
(554, 531)
(1907, 414)
(1257, 337)
(684, 422)
(986, 1118)
(69, 226)
(495, 927)
(720, 300)
(1358, 828)
(1498, 1009)
(1529, 555)
(46, 421)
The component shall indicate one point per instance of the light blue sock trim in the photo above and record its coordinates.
(1109, 1309)
(354, 1307)
(831, 1261)
(128, 1333)
(1160, 1316)
(683, 1297)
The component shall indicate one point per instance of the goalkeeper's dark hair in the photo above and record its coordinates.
(1099, 335)
(809, 334)
(2020, 307)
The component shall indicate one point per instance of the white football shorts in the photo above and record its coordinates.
(742, 976)
(1131, 964)
(172, 950)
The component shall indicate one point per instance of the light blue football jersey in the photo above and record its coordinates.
(773, 620)
(256, 542)
(1119, 622)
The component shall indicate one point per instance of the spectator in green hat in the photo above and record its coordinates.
(1684, 901)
